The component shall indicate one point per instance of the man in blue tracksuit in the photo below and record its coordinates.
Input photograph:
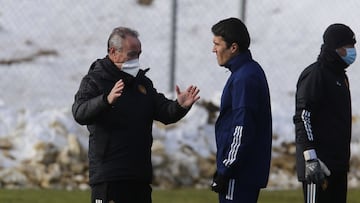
(244, 127)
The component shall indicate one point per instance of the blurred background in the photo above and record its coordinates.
(46, 47)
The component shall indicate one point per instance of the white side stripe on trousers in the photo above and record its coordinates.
(230, 192)
(98, 201)
(234, 146)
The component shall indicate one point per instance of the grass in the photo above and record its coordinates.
(159, 196)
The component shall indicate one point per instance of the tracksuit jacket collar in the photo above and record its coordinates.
(237, 61)
(329, 59)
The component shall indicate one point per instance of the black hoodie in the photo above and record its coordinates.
(121, 134)
(323, 112)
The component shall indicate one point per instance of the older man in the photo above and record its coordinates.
(118, 103)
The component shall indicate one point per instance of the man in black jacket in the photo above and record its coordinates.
(118, 103)
(323, 117)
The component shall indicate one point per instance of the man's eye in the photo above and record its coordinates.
(132, 54)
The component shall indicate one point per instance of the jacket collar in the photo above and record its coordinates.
(109, 71)
(331, 60)
(237, 61)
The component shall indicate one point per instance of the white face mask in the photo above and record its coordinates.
(131, 67)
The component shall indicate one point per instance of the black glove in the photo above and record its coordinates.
(315, 171)
(219, 184)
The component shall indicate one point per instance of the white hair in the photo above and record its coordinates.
(118, 34)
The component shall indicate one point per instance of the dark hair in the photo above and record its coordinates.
(232, 30)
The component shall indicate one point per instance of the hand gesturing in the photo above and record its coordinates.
(188, 97)
(116, 92)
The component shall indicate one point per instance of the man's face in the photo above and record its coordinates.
(342, 50)
(223, 53)
(131, 49)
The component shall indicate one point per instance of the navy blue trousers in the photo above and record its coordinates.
(239, 193)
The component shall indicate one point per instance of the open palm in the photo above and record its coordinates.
(188, 97)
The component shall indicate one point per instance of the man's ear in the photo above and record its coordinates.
(341, 51)
(234, 47)
(112, 51)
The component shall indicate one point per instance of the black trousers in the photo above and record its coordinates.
(334, 191)
(121, 192)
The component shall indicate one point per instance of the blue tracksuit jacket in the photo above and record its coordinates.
(244, 127)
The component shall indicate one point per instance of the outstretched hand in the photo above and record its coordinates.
(188, 97)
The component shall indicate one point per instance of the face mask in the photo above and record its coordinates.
(131, 67)
(350, 56)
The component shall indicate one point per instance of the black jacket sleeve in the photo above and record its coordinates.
(168, 111)
(89, 102)
(308, 97)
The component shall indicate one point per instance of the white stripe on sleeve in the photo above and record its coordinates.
(305, 116)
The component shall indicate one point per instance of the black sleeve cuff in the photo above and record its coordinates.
(106, 100)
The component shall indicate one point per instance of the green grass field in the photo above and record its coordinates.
(159, 196)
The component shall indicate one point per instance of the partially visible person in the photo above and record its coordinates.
(118, 103)
(323, 117)
(244, 127)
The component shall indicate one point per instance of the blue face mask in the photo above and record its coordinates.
(350, 55)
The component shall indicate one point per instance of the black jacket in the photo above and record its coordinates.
(121, 134)
(323, 112)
